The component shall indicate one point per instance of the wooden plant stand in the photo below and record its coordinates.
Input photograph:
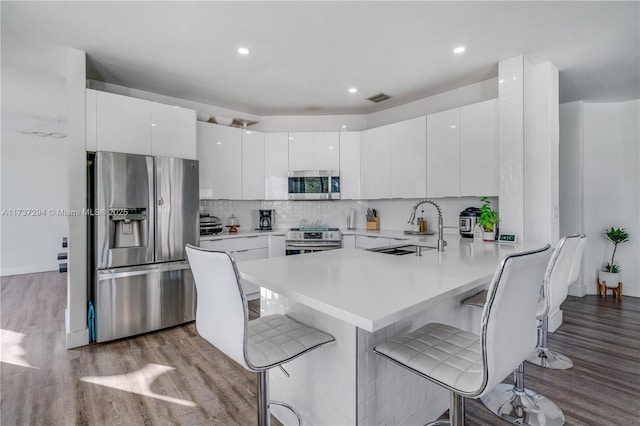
(603, 287)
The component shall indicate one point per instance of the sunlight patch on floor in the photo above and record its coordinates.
(11, 350)
(138, 382)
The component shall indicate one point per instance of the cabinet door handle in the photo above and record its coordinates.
(253, 236)
(241, 251)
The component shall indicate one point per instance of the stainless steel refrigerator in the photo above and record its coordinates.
(146, 210)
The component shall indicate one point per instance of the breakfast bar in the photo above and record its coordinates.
(363, 298)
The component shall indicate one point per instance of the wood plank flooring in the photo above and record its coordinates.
(175, 377)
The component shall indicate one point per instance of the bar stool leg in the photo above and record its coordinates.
(543, 356)
(456, 412)
(521, 406)
(264, 414)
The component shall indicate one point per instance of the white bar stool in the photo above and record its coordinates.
(470, 365)
(558, 291)
(222, 320)
(515, 403)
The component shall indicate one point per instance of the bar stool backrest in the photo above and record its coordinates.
(221, 309)
(509, 317)
(563, 269)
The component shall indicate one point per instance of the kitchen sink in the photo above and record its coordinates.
(401, 250)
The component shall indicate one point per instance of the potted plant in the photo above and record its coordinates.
(487, 220)
(610, 271)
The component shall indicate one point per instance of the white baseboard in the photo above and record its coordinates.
(76, 338)
(29, 269)
(555, 320)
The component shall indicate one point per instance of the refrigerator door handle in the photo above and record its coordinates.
(108, 274)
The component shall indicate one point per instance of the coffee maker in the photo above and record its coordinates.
(265, 221)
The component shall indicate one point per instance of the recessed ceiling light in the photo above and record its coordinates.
(353, 90)
(344, 126)
(459, 49)
(453, 126)
(243, 51)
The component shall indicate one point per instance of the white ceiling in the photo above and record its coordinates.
(305, 55)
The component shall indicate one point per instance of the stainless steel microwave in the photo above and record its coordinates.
(314, 185)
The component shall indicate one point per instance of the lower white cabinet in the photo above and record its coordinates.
(243, 248)
(277, 245)
(370, 241)
(349, 241)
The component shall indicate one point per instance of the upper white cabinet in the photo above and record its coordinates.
(462, 151)
(375, 162)
(123, 124)
(314, 151)
(479, 149)
(173, 131)
(350, 165)
(409, 158)
(220, 155)
(443, 154)
(253, 165)
(277, 165)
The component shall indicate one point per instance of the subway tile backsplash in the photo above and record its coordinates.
(393, 213)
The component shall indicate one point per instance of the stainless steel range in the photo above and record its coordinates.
(309, 240)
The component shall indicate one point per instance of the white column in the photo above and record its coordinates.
(528, 151)
(76, 312)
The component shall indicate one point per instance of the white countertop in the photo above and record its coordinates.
(372, 290)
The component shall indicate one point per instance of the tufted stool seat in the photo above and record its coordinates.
(222, 319)
(467, 364)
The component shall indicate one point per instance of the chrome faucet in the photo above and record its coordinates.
(441, 241)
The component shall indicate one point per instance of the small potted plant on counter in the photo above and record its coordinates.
(610, 271)
(487, 220)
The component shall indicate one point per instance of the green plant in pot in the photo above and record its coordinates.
(610, 271)
(487, 220)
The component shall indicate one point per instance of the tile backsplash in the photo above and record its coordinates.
(393, 213)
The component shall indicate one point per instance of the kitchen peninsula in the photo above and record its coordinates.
(363, 298)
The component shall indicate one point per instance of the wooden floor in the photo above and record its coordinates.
(175, 377)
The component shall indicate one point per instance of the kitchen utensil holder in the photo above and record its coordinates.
(373, 224)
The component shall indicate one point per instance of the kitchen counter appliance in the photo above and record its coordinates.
(468, 219)
(209, 225)
(309, 240)
(141, 280)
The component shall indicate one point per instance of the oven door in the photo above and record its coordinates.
(292, 248)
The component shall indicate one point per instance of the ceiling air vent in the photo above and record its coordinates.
(378, 98)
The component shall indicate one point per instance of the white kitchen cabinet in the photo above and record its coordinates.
(277, 245)
(349, 241)
(173, 131)
(371, 241)
(443, 154)
(277, 165)
(375, 162)
(314, 151)
(123, 124)
(301, 151)
(220, 156)
(326, 151)
(409, 158)
(479, 149)
(253, 165)
(350, 165)
(242, 248)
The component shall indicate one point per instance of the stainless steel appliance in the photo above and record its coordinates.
(142, 281)
(298, 241)
(468, 219)
(209, 225)
(314, 185)
(266, 219)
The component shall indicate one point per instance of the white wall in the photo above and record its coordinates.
(33, 172)
(611, 193)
